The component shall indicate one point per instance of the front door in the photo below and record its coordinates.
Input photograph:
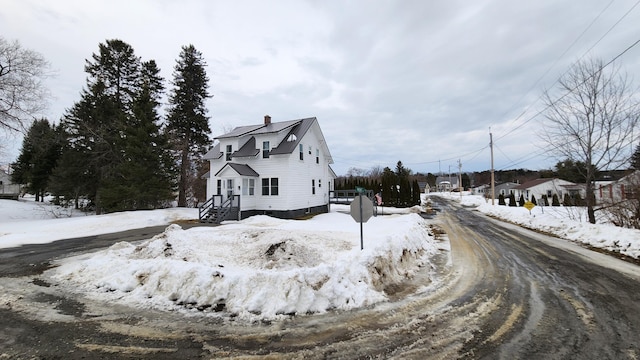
(230, 185)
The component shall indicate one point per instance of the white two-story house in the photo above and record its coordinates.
(273, 168)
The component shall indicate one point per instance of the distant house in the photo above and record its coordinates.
(274, 168)
(8, 190)
(447, 183)
(549, 187)
(424, 186)
(484, 190)
(505, 189)
(608, 192)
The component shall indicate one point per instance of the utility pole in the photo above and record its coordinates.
(450, 182)
(493, 180)
(460, 178)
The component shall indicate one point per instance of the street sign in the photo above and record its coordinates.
(361, 210)
(529, 205)
(367, 209)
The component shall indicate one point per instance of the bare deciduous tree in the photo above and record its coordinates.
(592, 122)
(22, 93)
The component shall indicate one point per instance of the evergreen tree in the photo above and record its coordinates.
(144, 178)
(566, 200)
(40, 151)
(71, 178)
(533, 200)
(116, 148)
(545, 200)
(388, 186)
(501, 200)
(521, 200)
(188, 123)
(512, 199)
(416, 191)
(404, 190)
(555, 201)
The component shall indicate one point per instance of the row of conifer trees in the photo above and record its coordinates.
(116, 148)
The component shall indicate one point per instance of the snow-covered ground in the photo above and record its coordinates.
(258, 268)
(262, 267)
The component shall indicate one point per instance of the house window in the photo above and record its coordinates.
(319, 183)
(549, 193)
(248, 186)
(270, 186)
(265, 149)
(228, 155)
(219, 187)
(301, 149)
(313, 186)
(318, 159)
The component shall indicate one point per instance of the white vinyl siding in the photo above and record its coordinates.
(294, 176)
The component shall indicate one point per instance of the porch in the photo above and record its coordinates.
(218, 209)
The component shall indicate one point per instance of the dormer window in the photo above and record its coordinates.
(292, 138)
(228, 153)
(265, 149)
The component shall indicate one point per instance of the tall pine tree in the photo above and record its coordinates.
(187, 122)
(40, 151)
(114, 128)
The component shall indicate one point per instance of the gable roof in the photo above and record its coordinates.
(241, 169)
(248, 149)
(292, 139)
(295, 130)
(536, 182)
(532, 183)
(273, 127)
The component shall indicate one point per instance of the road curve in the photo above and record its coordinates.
(506, 293)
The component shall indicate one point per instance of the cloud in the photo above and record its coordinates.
(416, 81)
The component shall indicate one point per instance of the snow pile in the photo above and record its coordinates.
(564, 222)
(260, 267)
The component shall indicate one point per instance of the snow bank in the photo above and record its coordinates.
(260, 267)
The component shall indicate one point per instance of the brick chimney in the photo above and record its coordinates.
(267, 119)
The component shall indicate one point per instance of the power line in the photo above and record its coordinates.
(580, 58)
(553, 65)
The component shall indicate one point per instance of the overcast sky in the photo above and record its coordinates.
(418, 81)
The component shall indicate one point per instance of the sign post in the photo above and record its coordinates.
(529, 206)
(361, 211)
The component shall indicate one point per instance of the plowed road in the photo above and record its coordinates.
(506, 293)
